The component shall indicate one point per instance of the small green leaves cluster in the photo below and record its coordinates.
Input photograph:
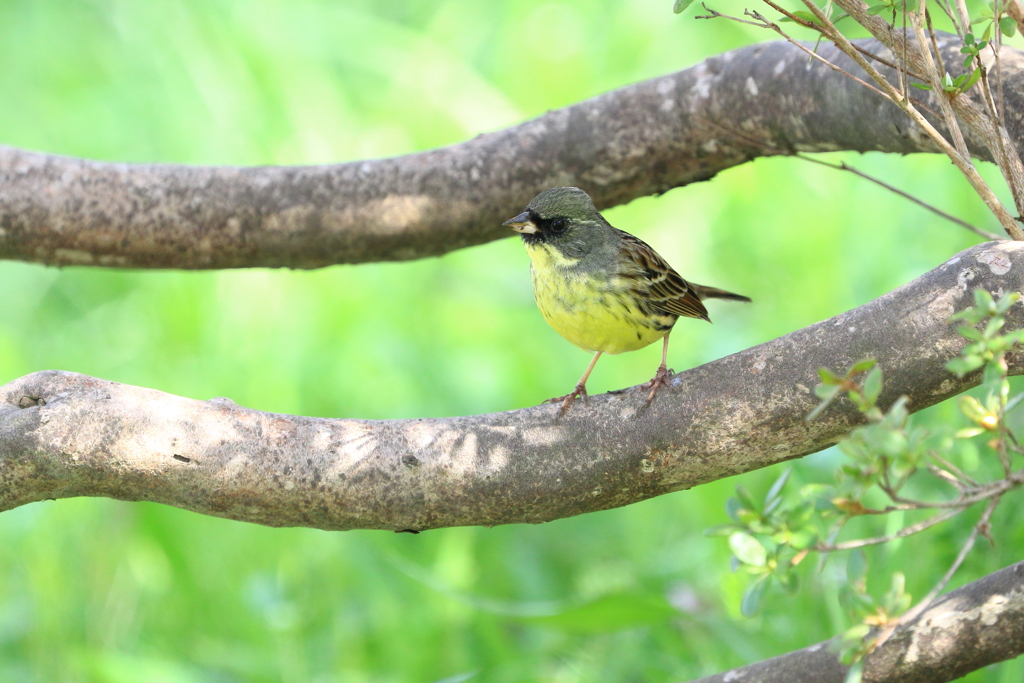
(768, 540)
(868, 614)
(1007, 25)
(972, 48)
(894, 7)
(988, 347)
(954, 86)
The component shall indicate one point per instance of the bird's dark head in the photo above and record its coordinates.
(563, 217)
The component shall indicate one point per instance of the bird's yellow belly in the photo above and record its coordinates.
(595, 314)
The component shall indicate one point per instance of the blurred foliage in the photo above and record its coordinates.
(110, 592)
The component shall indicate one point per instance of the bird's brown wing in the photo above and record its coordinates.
(668, 293)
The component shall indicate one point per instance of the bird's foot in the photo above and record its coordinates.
(659, 380)
(580, 390)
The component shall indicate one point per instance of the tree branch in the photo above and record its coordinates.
(979, 624)
(65, 435)
(639, 140)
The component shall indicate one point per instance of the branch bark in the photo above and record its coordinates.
(979, 624)
(639, 140)
(64, 435)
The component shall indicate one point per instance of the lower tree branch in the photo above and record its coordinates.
(979, 624)
(64, 435)
(638, 140)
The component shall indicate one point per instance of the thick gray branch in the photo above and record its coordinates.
(65, 435)
(979, 624)
(639, 140)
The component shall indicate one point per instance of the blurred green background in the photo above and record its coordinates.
(111, 592)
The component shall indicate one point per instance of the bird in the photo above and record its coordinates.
(601, 288)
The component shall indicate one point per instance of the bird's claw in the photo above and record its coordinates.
(569, 398)
(659, 380)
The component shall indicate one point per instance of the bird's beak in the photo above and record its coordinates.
(521, 223)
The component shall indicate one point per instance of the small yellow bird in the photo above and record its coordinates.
(603, 289)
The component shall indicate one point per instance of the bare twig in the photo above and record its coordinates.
(902, 533)
(935, 80)
(957, 152)
(1009, 163)
(926, 601)
(842, 166)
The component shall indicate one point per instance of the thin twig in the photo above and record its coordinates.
(979, 527)
(1011, 162)
(949, 13)
(842, 166)
(762, 22)
(885, 62)
(953, 468)
(946, 476)
(935, 78)
(939, 212)
(902, 533)
(935, 42)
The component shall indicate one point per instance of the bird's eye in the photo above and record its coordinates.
(558, 225)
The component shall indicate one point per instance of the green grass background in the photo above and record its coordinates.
(110, 592)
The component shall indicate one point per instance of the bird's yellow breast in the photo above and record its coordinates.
(596, 311)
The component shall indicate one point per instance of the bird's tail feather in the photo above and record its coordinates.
(716, 293)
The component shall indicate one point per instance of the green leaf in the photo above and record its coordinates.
(856, 673)
(827, 392)
(877, 9)
(856, 633)
(1013, 402)
(733, 508)
(982, 298)
(1008, 26)
(747, 549)
(873, 386)
(972, 408)
(806, 16)
(920, 86)
(743, 495)
(680, 5)
(788, 579)
(969, 432)
(863, 365)
(753, 596)
(965, 365)
(993, 375)
(974, 78)
(968, 40)
(829, 377)
(1006, 302)
(969, 332)
(723, 530)
(856, 567)
(994, 325)
(776, 488)
(802, 539)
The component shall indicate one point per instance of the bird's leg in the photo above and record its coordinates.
(580, 390)
(661, 376)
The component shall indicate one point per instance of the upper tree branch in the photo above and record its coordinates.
(638, 140)
(64, 435)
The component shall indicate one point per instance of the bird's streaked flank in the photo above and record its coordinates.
(603, 289)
